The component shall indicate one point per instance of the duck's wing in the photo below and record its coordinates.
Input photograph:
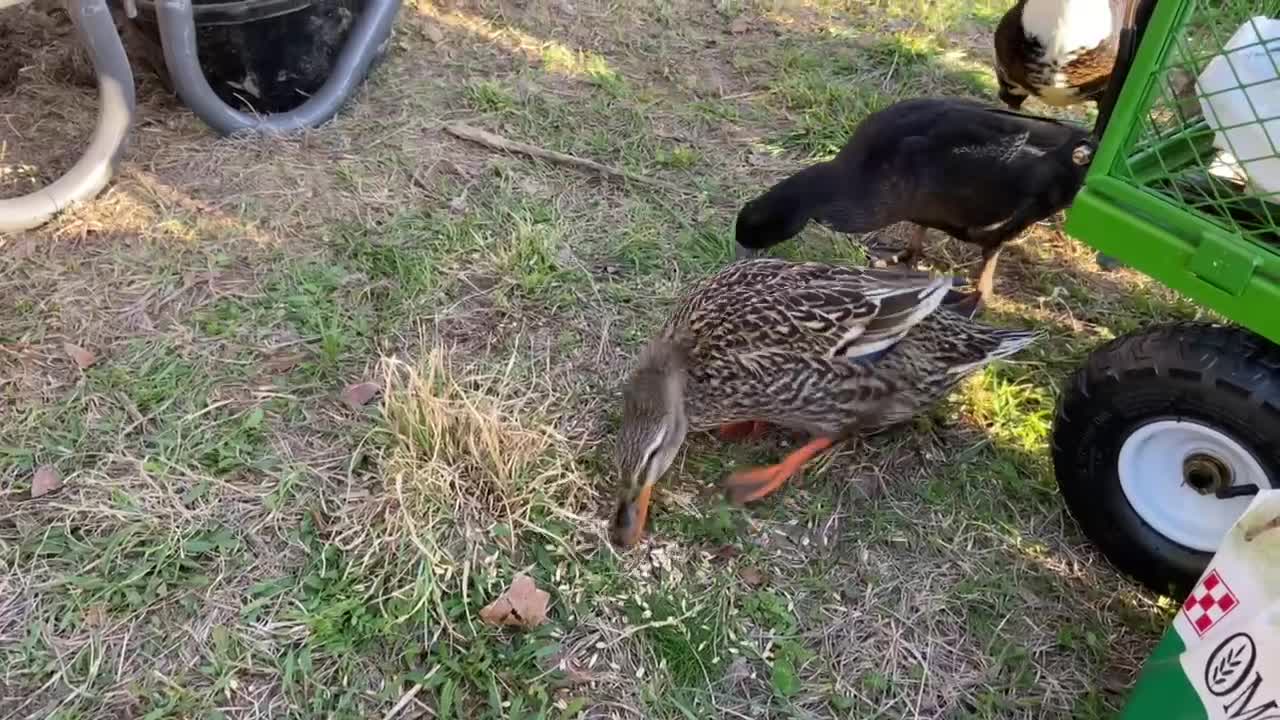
(972, 154)
(1018, 134)
(813, 309)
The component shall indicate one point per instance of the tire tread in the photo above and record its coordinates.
(1220, 357)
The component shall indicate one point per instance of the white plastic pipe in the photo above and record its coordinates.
(91, 173)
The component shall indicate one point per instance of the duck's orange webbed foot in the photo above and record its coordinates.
(743, 430)
(747, 486)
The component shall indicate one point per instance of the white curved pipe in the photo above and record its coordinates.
(116, 100)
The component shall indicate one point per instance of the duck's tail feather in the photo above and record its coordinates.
(1013, 341)
(1009, 342)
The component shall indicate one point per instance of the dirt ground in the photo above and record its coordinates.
(231, 534)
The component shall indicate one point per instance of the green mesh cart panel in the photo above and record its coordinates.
(1182, 191)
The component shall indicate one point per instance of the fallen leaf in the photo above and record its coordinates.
(359, 394)
(434, 34)
(725, 552)
(81, 357)
(740, 25)
(522, 605)
(45, 481)
(753, 577)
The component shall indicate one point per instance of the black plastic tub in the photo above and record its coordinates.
(264, 56)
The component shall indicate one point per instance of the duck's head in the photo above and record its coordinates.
(771, 218)
(653, 429)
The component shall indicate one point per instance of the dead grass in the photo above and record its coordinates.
(233, 540)
(467, 450)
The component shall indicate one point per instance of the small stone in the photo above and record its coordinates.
(45, 481)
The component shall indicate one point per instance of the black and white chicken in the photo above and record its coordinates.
(1060, 51)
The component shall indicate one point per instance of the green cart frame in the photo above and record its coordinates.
(1163, 436)
(1123, 211)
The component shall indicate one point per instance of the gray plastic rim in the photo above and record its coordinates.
(178, 37)
(95, 167)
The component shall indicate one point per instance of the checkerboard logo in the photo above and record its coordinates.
(1211, 601)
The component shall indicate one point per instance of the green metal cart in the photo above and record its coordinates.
(1163, 436)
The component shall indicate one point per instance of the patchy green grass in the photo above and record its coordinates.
(236, 537)
(938, 17)
(830, 85)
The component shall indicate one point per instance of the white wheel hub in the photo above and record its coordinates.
(1169, 470)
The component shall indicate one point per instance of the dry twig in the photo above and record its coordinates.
(497, 142)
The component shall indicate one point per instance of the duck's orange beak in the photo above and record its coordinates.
(628, 521)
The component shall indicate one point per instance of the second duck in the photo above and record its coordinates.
(979, 173)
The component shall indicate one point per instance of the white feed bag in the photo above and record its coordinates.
(1245, 98)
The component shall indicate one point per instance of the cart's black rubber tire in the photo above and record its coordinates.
(1224, 377)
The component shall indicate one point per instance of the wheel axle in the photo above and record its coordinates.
(1206, 474)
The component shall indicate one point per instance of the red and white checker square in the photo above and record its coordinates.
(1211, 601)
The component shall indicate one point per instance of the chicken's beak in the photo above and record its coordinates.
(628, 521)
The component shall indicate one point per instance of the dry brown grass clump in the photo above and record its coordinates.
(469, 462)
(473, 446)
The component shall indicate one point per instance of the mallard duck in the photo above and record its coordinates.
(1061, 51)
(813, 347)
(978, 173)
